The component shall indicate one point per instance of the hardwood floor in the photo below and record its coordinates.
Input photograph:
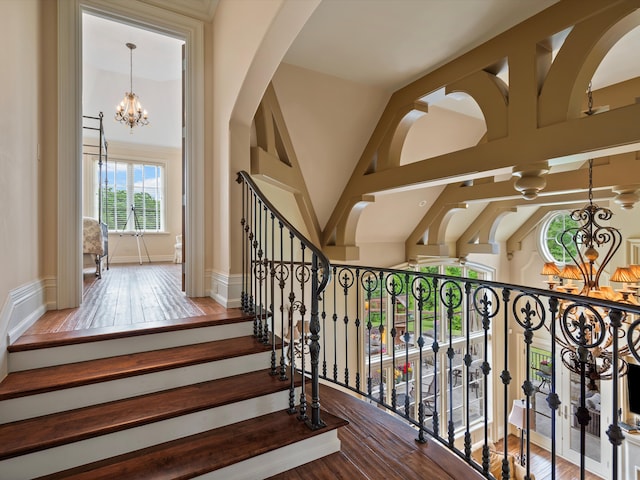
(127, 294)
(374, 445)
(541, 462)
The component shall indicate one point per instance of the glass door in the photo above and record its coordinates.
(568, 436)
(596, 445)
(540, 374)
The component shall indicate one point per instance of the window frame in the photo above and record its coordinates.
(543, 248)
(130, 165)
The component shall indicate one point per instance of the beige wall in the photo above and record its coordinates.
(329, 120)
(21, 169)
(260, 33)
(441, 131)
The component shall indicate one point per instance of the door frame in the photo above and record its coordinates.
(603, 466)
(69, 181)
(564, 417)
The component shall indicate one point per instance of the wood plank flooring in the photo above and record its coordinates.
(127, 294)
(374, 445)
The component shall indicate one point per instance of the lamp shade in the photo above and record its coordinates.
(550, 268)
(635, 269)
(623, 274)
(518, 415)
(571, 272)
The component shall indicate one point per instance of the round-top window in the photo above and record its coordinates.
(551, 241)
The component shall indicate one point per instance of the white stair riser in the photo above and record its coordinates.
(105, 446)
(77, 397)
(279, 460)
(46, 357)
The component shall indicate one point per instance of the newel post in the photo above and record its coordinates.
(314, 422)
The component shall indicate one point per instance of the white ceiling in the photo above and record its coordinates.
(389, 43)
(156, 57)
(157, 77)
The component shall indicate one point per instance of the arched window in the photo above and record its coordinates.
(550, 240)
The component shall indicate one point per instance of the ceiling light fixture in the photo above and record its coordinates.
(584, 329)
(130, 111)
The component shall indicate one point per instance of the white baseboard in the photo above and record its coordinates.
(50, 292)
(136, 259)
(226, 289)
(24, 306)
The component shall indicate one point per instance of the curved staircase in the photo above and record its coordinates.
(178, 399)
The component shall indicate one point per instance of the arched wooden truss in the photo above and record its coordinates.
(537, 117)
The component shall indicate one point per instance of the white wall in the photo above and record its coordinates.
(20, 179)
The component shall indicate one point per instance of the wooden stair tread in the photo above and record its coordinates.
(47, 340)
(46, 379)
(34, 434)
(205, 452)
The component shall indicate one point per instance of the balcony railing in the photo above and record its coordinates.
(438, 350)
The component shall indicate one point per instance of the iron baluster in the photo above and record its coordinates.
(346, 280)
(382, 341)
(467, 363)
(335, 327)
(324, 329)
(506, 380)
(292, 358)
(394, 288)
(552, 399)
(303, 339)
(272, 312)
(614, 432)
(282, 285)
(357, 325)
(435, 347)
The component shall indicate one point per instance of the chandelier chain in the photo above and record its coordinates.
(591, 181)
(589, 100)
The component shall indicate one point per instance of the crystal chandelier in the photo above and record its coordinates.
(129, 111)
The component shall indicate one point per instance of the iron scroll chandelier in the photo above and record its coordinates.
(587, 331)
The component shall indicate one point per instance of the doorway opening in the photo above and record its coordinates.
(68, 286)
(135, 190)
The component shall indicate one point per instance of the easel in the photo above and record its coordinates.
(138, 233)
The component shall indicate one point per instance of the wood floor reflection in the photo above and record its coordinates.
(127, 294)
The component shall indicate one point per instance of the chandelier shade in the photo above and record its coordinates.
(571, 272)
(550, 268)
(623, 275)
(129, 111)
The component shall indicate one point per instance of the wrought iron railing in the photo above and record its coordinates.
(440, 351)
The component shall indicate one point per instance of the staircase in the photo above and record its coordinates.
(175, 400)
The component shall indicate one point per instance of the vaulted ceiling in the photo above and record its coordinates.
(394, 45)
